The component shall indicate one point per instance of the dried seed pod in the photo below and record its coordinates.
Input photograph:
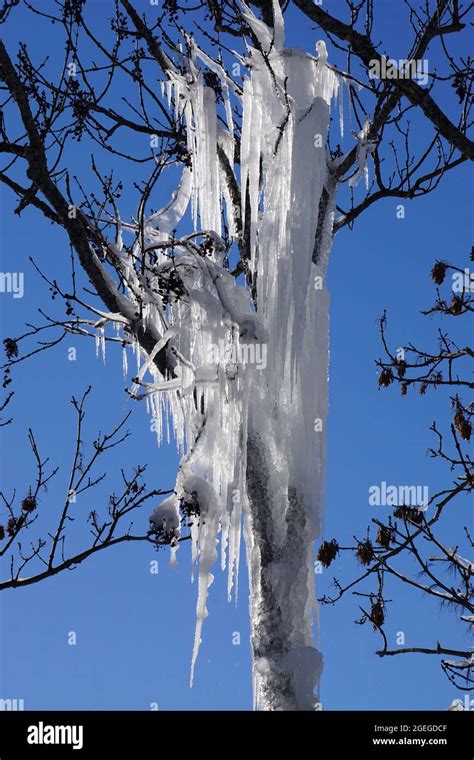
(438, 273)
(409, 513)
(377, 615)
(365, 552)
(401, 367)
(12, 526)
(456, 305)
(11, 348)
(384, 536)
(29, 504)
(328, 551)
(462, 424)
(385, 378)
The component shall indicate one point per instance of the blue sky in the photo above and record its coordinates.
(134, 629)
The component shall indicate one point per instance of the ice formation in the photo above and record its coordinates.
(214, 404)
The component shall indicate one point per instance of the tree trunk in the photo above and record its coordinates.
(286, 666)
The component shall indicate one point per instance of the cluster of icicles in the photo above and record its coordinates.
(285, 101)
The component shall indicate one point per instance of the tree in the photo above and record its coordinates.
(52, 551)
(227, 307)
(416, 530)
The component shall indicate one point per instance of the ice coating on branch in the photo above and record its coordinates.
(285, 123)
(221, 393)
(166, 220)
(322, 52)
(286, 106)
(365, 148)
(209, 324)
(466, 564)
(165, 516)
(165, 521)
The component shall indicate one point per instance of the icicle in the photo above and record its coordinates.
(261, 30)
(194, 546)
(124, 363)
(245, 140)
(177, 98)
(169, 91)
(341, 109)
(226, 85)
(205, 160)
(208, 556)
(167, 419)
(225, 520)
(278, 27)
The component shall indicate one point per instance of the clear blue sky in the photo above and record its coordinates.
(135, 630)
